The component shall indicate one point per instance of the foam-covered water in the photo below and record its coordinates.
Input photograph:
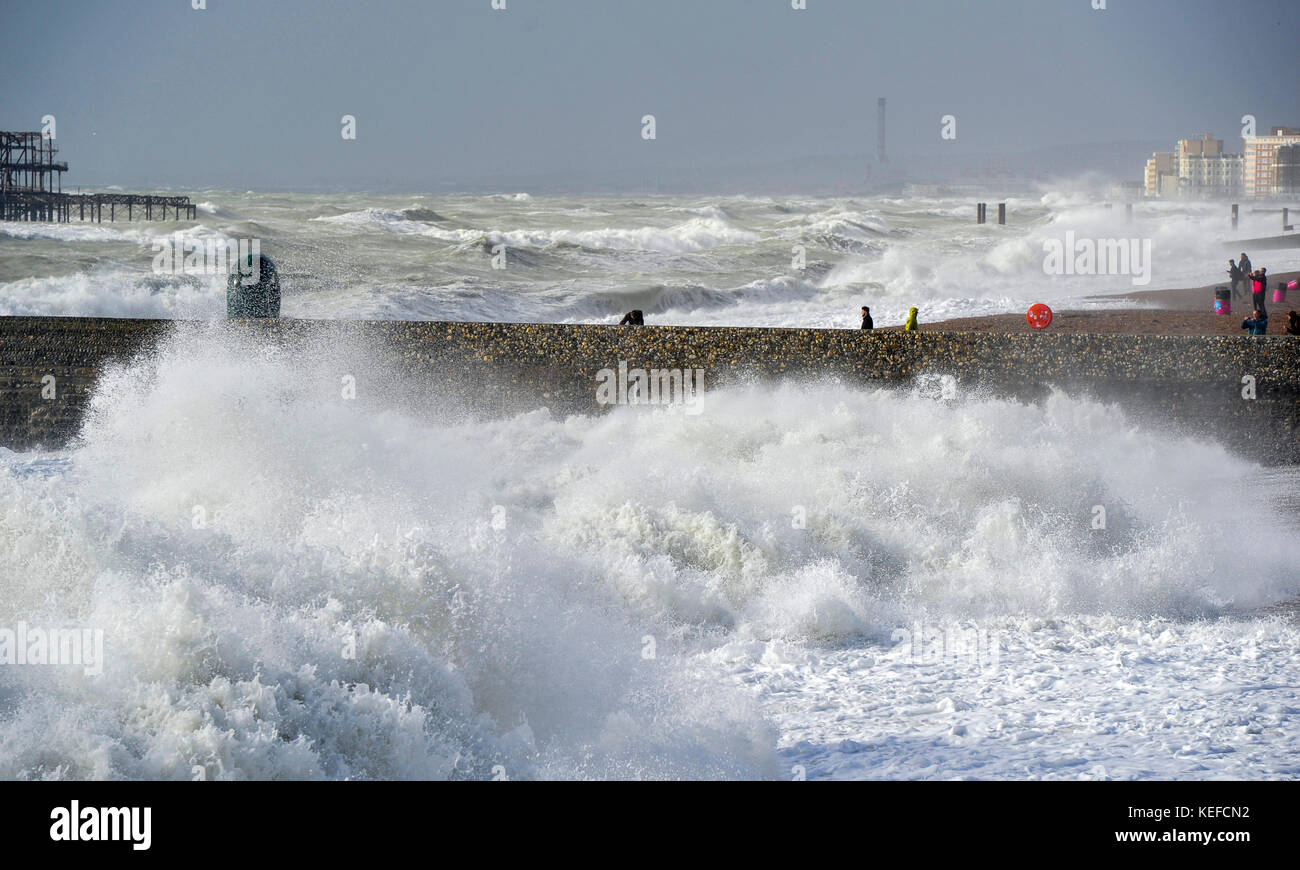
(292, 583)
(704, 260)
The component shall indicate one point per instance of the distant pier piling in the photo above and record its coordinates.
(1236, 211)
(1286, 223)
(31, 188)
(982, 213)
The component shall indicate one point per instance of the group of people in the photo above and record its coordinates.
(909, 326)
(1239, 272)
(636, 317)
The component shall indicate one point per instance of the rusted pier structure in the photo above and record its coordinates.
(31, 189)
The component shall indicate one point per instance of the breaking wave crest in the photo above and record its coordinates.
(297, 584)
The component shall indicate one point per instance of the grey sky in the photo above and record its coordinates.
(450, 93)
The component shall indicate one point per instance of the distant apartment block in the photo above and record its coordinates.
(1260, 175)
(1203, 146)
(1204, 171)
(1286, 171)
(1162, 167)
(1212, 176)
(1199, 169)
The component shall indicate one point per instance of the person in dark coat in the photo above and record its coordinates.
(867, 322)
(633, 318)
(1243, 263)
(1293, 324)
(1236, 276)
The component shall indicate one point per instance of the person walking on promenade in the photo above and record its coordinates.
(1257, 323)
(867, 322)
(1243, 263)
(910, 325)
(1236, 276)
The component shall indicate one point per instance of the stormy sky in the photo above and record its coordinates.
(550, 94)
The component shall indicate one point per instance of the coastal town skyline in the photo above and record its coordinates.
(1268, 166)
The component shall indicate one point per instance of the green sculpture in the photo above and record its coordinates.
(253, 288)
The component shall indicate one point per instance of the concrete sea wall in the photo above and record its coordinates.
(1194, 383)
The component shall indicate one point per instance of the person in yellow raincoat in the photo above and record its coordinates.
(910, 325)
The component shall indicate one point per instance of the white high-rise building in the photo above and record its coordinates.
(1213, 176)
(1196, 168)
(1259, 176)
(1204, 171)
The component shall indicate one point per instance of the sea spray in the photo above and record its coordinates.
(382, 590)
(699, 261)
(345, 609)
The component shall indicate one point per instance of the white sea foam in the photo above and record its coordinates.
(694, 235)
(117, 293)
(393, 220)
(72, 232)
(476, 648)
(234, 525)
(570, 259)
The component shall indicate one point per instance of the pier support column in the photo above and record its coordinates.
(1002, 214)
(1235, 209)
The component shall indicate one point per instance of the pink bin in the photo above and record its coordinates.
(1222, 301)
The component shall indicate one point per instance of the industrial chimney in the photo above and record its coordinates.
(880, 129)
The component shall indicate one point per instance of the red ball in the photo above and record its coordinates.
(1039, 316)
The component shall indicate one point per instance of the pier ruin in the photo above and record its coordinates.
(31, 189)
